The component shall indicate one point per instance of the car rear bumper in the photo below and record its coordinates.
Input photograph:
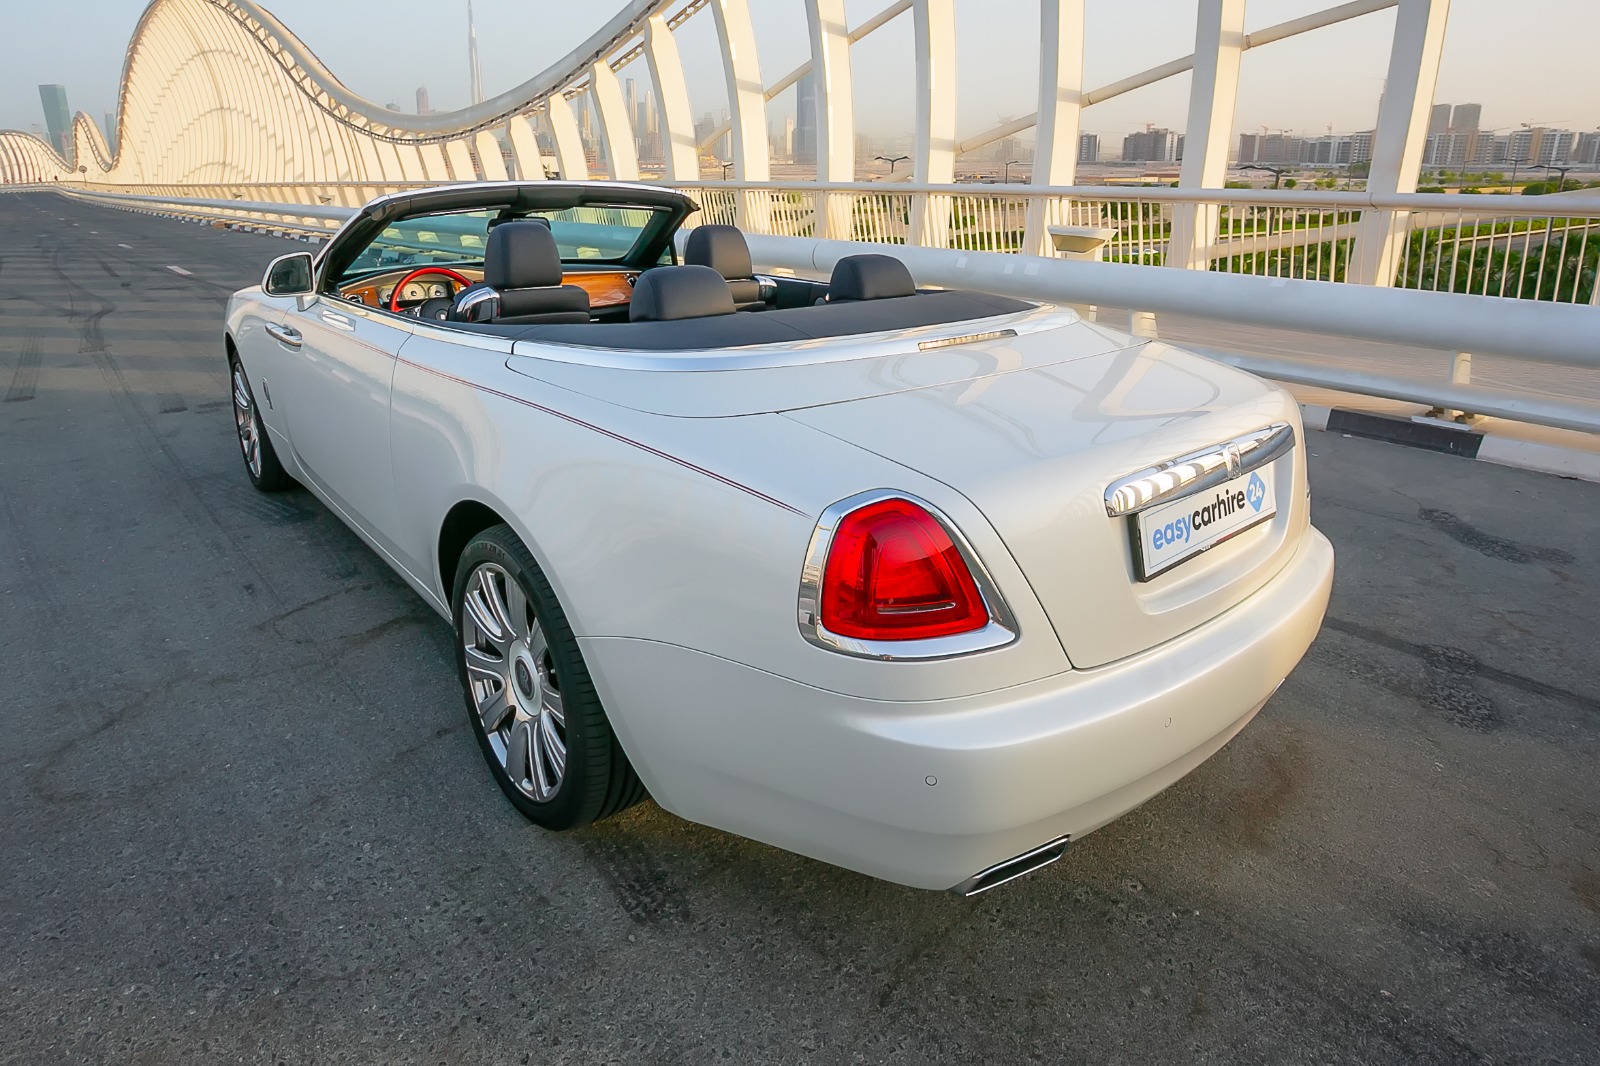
(928, 794)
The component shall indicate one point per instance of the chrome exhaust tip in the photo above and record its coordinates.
(1013, 868)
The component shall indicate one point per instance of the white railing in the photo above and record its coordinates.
(1528, 247)
(1545, 331)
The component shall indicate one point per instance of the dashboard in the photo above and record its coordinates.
(606, 288)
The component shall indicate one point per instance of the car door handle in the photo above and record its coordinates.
(284, 335)
(338, 321)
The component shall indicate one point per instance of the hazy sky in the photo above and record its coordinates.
(1527, 61)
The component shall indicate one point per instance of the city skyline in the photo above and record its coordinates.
(1289, 85)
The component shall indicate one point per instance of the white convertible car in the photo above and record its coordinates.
(922, 583)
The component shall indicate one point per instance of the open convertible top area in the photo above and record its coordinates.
(771, 327)
(611, 266)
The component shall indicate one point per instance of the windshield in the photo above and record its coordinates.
(593, 233)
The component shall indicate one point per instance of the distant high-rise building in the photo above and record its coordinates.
(1466, 117)
(473, 69)
(111, 131)
(1588, 151)
(1088, 148)
(424, 107)
(1453, 149)
(1271, 148)
(57, 116)
(1153, 145)
(805, 120)
(1439, 119)
(1541, 146)
(1361, 146)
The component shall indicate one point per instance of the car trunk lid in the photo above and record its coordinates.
(1036, 451)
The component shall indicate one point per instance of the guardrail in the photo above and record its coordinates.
(1541, 331)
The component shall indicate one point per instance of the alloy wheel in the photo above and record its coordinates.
(513, 682)
(249, 426)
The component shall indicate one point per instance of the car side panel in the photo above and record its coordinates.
(250, 312)
(644, 532)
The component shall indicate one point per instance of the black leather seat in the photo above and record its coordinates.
(723, 249)
(670, 293)
(869, 277)
(521, 281)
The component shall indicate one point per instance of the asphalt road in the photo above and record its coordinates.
(244, 820)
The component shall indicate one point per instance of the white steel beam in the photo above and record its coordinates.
(1055, 153)
(935, 158)
(525, 150)
(616, 125)
(569, 142)
(1401, 136)
(835, 112)
(747, 104)
(490, 161)
(682, 155)
(1213, 97)
(461, 168)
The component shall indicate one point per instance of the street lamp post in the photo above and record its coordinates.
(1277, 179)
(1276, 172)
(1009, 164)
(892, 160)
(1560, 172)
(1515, 163)
(725, 167)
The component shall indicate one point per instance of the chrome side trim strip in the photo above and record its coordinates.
(1001, 629)
(1197, 471)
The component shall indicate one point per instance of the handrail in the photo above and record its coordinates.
(1515, 329)
(1576, 203)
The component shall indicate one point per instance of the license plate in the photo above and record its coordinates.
(1178, 531)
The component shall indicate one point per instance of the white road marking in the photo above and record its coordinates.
(129, 247)
(180, 270)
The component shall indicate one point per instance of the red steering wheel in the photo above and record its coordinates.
(394, 297)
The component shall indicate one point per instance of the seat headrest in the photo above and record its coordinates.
(722, 248)
(521, 255)
(664, 294)
(869, 277)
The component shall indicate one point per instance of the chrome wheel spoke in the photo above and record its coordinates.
(481, 666)
(480, 607)
(492, 706)
(514, 608)
(519, 752)
(552, 705)
(538, 646)
(555, 749)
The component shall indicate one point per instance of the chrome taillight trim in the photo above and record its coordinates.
(1198, 470)
(1000, 630)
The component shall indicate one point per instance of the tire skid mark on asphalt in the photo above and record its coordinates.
(25, 377)
(1451, 671)
(342, 552)
(642, 884)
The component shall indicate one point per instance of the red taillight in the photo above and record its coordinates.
(893, 574)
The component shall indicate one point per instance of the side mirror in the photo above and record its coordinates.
(290, 275)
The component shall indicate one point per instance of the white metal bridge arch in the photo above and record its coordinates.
(219, 95)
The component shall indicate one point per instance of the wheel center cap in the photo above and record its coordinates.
(524, 677)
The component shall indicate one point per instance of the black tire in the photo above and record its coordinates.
(598, 780)
(271, 476)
